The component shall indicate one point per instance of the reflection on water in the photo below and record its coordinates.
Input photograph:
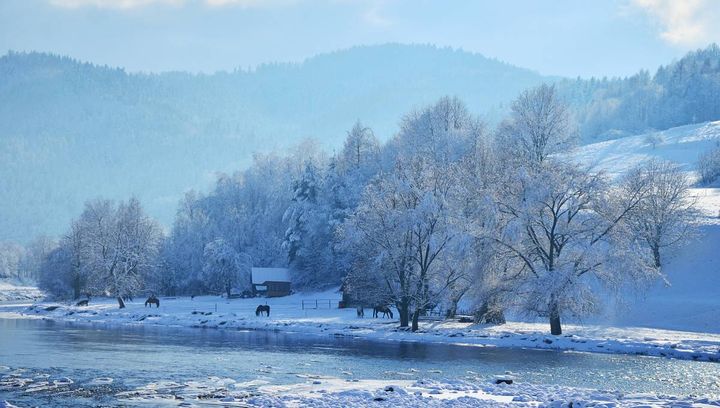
(101, 361)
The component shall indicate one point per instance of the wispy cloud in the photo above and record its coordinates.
(374, 16)
(687, 23)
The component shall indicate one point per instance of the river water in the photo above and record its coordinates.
(88, 365)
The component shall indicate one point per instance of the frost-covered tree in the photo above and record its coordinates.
(182, 252)
(309, 237)
(225, 269)
(110, 250)
(361, 149)
(664, 218)
(56, 276)
(11, 256)
(403, 224)
(564, 231)
(405, 221)
(539, 125)
(709, 165)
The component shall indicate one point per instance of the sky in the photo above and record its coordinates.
(554, 37)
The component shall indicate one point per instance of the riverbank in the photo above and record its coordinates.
(14, 291)
(323, 317)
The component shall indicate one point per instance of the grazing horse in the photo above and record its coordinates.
(384, 310)
(262, 309)
(360, 311)
(83, 302)
(152, 300)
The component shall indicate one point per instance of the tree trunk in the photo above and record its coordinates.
(415, 319)
(656, 256)
(403, 309)
(227, 291)
(76, 287)
(452, 311)
(120, 302)
(555, 327)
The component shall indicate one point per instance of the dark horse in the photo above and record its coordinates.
(262, 309)
(384, 310)
(152, 300)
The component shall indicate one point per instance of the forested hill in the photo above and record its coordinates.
(72, 131)
(683, 92)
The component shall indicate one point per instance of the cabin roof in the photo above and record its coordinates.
(262, 275)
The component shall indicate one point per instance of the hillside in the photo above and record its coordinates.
(691, 301)
(72, 131)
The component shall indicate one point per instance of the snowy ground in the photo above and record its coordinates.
(692, 299)
(321, 391)
(11, 291)
(287, 314)
(335, 392)
(682, 145)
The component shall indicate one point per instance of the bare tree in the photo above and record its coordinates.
(119, 246)
(361, 147)
(539, 125)
(557, 226)
(664, 218)
(403, 223)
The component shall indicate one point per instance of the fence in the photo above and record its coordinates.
(319, 304)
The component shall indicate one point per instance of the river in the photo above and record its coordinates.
(88, 365)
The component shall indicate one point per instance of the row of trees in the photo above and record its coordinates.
(22, 263)
(444, 211)
(679, 93)
(111, 250)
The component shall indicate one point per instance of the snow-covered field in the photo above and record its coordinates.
(691, 301)
(10, 291)
(682, 145)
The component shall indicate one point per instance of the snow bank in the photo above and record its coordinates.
(334, 392)
(287, 314)
(11, 291)
(470, 391)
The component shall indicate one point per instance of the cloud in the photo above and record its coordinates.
(374, 16)
(686, 23)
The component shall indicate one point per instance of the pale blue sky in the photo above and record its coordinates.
(559, 37)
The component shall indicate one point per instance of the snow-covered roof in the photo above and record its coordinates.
(262, 275)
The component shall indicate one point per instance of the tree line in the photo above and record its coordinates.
(445, 211)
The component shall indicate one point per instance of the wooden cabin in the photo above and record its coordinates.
(271, 282)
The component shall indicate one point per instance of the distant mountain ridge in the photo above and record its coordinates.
(72, 131)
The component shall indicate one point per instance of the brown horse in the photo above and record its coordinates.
(152, 300)
(262, 309)
(384, 310)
